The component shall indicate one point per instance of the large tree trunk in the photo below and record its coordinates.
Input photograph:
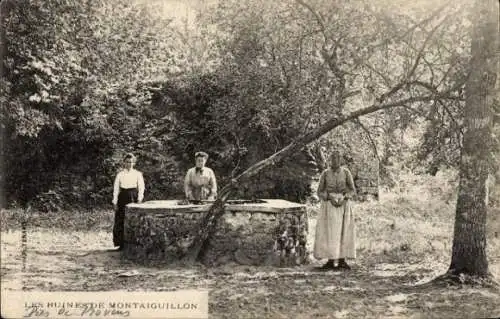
(469, 241)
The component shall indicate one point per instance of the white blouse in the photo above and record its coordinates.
(129, 179)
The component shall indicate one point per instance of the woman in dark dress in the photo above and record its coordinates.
(128, 188)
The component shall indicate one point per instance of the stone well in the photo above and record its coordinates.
(262, 232)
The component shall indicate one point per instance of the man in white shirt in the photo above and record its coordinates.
(128, 188)
(200, 182)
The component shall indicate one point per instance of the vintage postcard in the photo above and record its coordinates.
(250, 159)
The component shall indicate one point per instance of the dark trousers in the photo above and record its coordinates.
(126, 196)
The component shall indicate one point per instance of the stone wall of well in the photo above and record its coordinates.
(269, 233)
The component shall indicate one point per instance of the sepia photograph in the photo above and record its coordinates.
(250, 159)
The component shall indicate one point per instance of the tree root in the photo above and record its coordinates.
(452, 279)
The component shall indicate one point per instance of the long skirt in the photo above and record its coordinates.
(335, 232)
(125, 196)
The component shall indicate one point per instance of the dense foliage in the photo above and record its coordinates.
(85, 81)
(72, 91)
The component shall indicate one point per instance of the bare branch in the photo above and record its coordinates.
(369, 135)
(445, 75)
(420, 24)
(418, 112)
(237, 140)
(329, 58)
(450, 114)
(425, 85)
(419, 57)
(315, 103)
(431, 69)
(316, 15)
(377, 72)
(350, 94)
(434, 89)
(424, 45)
(405, 81)
(286, 77)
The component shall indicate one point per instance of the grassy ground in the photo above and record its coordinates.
(404, 241)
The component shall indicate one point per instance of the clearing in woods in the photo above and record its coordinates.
(404, 241)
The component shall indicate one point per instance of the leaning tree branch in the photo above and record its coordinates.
(208, 223)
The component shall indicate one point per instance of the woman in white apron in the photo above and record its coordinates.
(335, 230)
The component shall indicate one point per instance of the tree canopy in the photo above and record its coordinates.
(85, 81)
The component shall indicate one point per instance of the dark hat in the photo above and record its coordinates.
(200, 154)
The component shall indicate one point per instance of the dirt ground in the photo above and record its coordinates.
(81, 261)
(404, 241)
